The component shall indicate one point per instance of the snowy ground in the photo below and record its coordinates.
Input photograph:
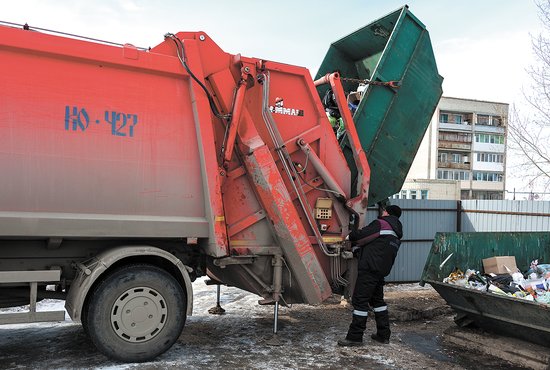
(238, 339)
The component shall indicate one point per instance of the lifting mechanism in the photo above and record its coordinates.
(264, 151)
(356, 205)
(286, 190)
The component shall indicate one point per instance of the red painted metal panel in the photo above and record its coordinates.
(95, 135)
(92, 129)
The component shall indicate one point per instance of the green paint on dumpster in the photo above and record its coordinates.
(390, 122)
(510, 316)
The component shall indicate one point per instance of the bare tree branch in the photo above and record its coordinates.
(529, 134)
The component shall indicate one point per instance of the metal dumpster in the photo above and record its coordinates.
(500, 314)
(390, 125)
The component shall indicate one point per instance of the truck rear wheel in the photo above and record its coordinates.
(136, 313)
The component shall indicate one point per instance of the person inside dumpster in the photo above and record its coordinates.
(376, 246)
(333, 113)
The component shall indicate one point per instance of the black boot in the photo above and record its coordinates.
(355, 332)
(380, 339)
(383, 331)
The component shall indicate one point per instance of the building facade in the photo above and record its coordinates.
(465, 144)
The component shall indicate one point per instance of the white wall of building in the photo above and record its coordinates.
(487, 185)
(425, 161)
(488, 147)
(434, 189)
(487, 166)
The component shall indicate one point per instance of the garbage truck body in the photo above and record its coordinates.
(128, 173)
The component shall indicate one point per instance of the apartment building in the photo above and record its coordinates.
(465, 144)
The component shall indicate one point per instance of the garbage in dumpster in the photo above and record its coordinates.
(532, 286)
(542, 270)
(456, 276)
(544, 298)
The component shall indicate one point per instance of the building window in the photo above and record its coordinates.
(403, 194)
(487, 195)
(453, 175)
(449, 157)
(482, 119)
(423, 194)
(490, 139)
(496, 121)
(487, 176)
(413, 194)
(490, 157)
(455, 136)
(449, 117)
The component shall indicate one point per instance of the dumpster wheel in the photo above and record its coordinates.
(136, 313)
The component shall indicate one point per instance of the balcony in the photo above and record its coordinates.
(457, 145)
(489, 129)
(464, 126)
(489, 147)
(458, 166)
(488, 166)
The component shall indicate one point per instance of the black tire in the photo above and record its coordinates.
(136, 313)
(84, 319)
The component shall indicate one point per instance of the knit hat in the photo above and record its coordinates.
(394, 210)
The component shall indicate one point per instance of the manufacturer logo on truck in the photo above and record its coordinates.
(279, 108)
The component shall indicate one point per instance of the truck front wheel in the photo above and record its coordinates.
(136, 313)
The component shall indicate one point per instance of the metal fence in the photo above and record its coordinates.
(423, 218)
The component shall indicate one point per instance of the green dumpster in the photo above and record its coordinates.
(501, 314)
(390, 122)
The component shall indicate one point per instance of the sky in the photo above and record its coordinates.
(482, 48)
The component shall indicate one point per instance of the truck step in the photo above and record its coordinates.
(32, 278)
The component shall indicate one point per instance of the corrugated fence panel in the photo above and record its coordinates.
(410, 262)
(423, 218)
(505, 215)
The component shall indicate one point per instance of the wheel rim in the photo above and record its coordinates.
(139, 314)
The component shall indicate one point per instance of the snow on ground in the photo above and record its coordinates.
(44, 305)
(234, 340)
(406, 287)
(239, 339)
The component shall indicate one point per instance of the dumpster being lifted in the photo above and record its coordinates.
(494, 312)
(128, 173)
(393, 48)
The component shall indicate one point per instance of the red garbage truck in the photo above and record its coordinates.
(127, 173)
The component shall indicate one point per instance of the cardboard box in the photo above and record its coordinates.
(499, 265)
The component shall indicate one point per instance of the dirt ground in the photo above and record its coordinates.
(239, 338)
